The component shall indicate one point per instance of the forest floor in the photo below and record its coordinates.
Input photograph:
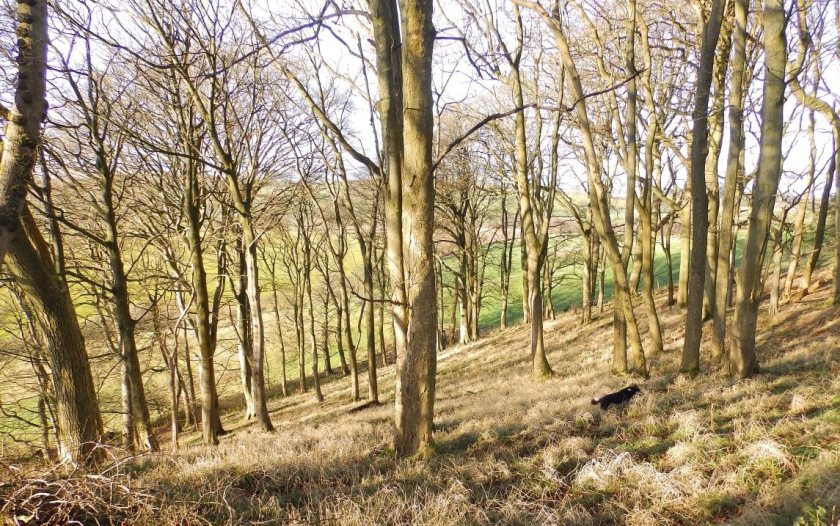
(512, 449)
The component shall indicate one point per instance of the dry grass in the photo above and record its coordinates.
(515, 450)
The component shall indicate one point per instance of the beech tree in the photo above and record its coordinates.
(742, 356)
(31, 263)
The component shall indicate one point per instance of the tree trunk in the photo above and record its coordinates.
(699, 199)
(416, 366)
(23, 123)
(799, 223)
(283, 377)
(667, 233)
(245, 346)
(835, 288)
(822, 216)
(685, 247)
(313, 343)
(325, 336)
(743, 357)
(715, 142)
(776, 269)
(370, 325)
(726, 242)
(586, 281)
(126, 325)
(79, 421)
(257, 327)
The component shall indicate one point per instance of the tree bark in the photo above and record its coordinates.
(730, 186)
(416, 366)
(23, 127)
(699, 199)
(79, 421)
(743, 357)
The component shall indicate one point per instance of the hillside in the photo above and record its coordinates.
(513, 450)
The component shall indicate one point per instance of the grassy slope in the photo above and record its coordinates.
(513, 450)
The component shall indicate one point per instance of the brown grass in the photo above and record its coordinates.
(515, 450)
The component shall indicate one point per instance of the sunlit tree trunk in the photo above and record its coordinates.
(417, 365)
(78, 417)
(699, 199)
(747, 297)
(730, 186)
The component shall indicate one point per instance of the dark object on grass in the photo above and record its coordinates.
(616, 398)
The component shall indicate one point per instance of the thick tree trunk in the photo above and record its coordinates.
(79, 421)
(699, 199)
(416, 366)
(128, 434)
(743, 357)
(23, 127)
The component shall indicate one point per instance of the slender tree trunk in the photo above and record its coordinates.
(313, 343)
(835, 288)
(822, 216)
(726, 242)
(715, 141)
(699, 199)
(370, 325)
(383, 349)
(586, 281)
(685, 246)
(325, 336)
(743, 357)
(506, 264)
(284, 382)
(300, 334)
(776, 268)
(245, 345)
(532, 248)
(257, 327)
(523, 267)
(647, 242)
(667, 233)
(348, 339)
(799, 223)
(126, 325)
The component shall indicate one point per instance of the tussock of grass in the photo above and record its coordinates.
(515, 450)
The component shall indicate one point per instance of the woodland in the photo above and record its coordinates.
(369, 262)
